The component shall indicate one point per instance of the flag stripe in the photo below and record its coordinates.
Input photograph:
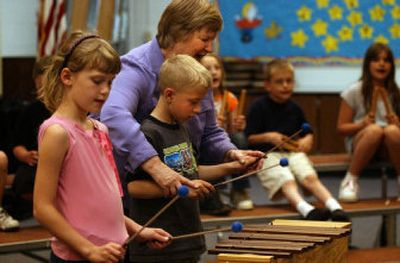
(52, 26)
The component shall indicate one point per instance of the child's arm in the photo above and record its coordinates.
(306, 143)
(156, 238)
(52, 150)
(212, 172)
(345, 124)
(145, 189)
(274, 138)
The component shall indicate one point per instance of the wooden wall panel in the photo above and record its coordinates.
(17, 78)
(310, 107)
(329, 140)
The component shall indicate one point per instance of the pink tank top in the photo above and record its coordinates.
(89, 191)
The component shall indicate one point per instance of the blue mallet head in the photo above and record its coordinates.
(305, 127)
(284, 162)
(236, 226)
(183, 191)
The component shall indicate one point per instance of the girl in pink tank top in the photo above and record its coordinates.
(77, 194)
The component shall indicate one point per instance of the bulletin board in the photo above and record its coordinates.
(307, 31)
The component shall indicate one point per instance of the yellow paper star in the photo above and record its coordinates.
(351, 3)
(330, 43)
(299, 38)
(377, 13)
(396, 12)
(395, 31)
(322, 3)
(304, 13)
(273, 30)
(319, 28)
(345, 34)
(381, 39)
(335, 12)
(366, 31)
(388, 2)
(355, 18)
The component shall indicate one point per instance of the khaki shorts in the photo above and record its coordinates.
(273, 179)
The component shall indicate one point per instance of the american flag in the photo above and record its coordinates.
(52, 26)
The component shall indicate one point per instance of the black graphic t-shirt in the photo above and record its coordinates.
(172, 143)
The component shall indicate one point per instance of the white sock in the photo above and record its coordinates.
(349, 176)
(332, 204)
(304, 208)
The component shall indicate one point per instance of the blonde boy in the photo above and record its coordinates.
(183, 83)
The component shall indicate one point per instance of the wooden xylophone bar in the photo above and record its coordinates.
(283, 241)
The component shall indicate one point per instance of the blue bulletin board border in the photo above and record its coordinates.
(329, 32)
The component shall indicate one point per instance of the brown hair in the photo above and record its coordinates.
(221, 87)
(181, 18)
(182, 72)
(80, 50)
(40, 66)
(366, 78)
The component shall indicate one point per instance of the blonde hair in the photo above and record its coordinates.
(80, 51)
(277, 64)
(181, 72)
(181, 18)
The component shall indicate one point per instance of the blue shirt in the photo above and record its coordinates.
(134, 95)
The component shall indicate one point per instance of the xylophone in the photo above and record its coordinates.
(286, 241)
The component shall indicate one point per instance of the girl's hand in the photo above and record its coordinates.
(220, 121)
(108, 253)
(393, 119)
(239, 123)
(368, 119)
(156, 238)
(203, 190)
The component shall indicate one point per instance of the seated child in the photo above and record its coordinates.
(270, 121)
(183, 83)
(232, 122)
(370, 130)
(7, 223)
(25, 142)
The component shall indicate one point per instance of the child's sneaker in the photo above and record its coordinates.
(241, 200)
(348, 191)
(7, 223)
(318, 214)
(213, 205)
(340, 216)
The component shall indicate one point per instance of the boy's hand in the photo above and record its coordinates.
(203, 190)
(30, 158)
(276, 138)
(305, 144)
